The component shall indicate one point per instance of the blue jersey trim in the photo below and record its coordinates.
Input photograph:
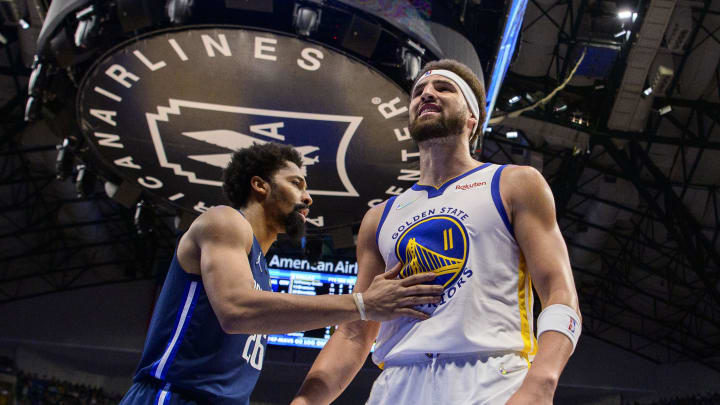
(497, 199)
(163, 395)
(190, 311)
(385, 213)
(159, 369)
(433, 191)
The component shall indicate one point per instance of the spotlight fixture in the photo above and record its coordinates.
(306, 19)
(65, 159)
(619, 34)
(144, 218)
(24, 24)
(88, 27)
(625, 14)
(411, 63)
(560, 108)
(37, 77)
(647, 91)
(84, 181)
(665, 110)
(529, 98)
(488, 129)
(3, 40)
(511, 134)
(179, 11)
(514, 100)
(32, 109)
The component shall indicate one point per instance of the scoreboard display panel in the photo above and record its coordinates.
(308, 283)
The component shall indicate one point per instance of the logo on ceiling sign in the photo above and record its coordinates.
(167, 110)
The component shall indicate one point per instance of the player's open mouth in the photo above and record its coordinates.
(428, 108)
(304, 213)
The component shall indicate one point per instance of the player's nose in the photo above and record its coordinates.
(306, 199)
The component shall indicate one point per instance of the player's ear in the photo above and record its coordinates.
(471, 122)
(260, 186)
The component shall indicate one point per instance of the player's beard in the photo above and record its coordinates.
(295, 224)
(436, 127)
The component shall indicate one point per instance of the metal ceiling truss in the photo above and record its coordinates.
(47, 256)
(683, 323)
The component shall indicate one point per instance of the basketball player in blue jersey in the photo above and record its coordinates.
(206, 340)
(487, 231)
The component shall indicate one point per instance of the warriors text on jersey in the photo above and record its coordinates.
(461, 232)
(186, 348)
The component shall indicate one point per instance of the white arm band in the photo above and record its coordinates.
(560, 318)
(360, 305)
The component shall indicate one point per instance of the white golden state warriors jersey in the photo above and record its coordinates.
(461, 232)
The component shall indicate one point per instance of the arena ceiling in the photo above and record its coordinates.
(635, 175)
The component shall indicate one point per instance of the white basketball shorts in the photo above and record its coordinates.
(457, 379)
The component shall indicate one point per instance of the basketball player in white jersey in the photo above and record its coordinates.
(487, 231)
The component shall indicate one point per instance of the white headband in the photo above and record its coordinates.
(464, 89)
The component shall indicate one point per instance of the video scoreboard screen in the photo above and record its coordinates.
(297, 276)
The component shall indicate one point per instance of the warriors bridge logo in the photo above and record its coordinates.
(166, 110)
(438, 244)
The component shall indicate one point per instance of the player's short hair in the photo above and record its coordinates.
(261, 160)
(476, 85)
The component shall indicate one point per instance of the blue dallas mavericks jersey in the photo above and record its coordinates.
(187, 348)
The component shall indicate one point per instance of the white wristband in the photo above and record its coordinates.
(560, 318)
(360, 305)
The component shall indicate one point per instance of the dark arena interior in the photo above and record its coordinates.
(615, 102)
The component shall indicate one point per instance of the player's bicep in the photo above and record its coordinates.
(539, 237)
(223, 241)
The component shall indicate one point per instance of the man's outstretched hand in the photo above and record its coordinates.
(388, 297)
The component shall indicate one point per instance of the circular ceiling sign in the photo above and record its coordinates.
(168, 109)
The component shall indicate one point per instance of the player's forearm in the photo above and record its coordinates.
(266, 312)
(336, 365)
(554, 350)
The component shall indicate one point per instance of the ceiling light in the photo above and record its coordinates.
(511, 134)
(624, 14)
(514, 100)
(634, 17)
(561, 107)
(306, 20)
(488, 129)
(619, 34)
(665, 110)
(24, 24)
(647, 91)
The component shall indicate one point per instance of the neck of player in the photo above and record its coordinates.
(442, 159)
(265, 232)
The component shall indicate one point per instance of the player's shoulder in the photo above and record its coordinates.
(375, 213)
(221, 223)
(522, 178)
(523, 183)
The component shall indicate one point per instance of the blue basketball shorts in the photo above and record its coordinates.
(148, 393)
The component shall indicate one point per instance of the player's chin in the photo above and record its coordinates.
(295, 225)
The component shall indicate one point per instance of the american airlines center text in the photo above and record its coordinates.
(339, 266)
(167, 110)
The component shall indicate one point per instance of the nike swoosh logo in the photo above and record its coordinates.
(401, 206)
